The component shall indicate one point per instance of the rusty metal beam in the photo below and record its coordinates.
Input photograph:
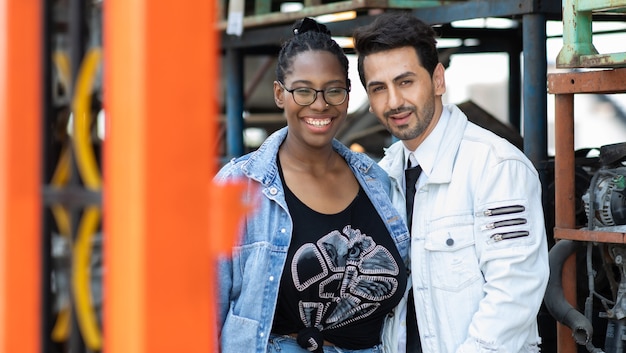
(263, 18)
(564, 202)
(275, 18)
(587, 235)
(604, 81)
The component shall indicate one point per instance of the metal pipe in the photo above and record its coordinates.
(535, 124)
(555, 300)
(234, 103)
(515, 84)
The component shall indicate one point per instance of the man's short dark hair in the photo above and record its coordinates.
(392, 30)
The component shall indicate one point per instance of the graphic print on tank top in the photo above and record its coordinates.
(342, 274)
(350, 271)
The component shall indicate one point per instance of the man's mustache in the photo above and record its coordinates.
(399, 110)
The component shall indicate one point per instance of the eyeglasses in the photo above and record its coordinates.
(306, 96)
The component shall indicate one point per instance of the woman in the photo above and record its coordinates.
(322, 261)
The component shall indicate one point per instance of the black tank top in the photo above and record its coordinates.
(343, 274)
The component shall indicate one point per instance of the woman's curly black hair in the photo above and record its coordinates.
(308, 35)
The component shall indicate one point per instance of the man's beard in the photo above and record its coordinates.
(408, 132)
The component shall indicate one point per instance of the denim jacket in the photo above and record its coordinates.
(475, 291)
(250, 277)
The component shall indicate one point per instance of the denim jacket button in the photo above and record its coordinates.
(271, 278)
(283, 230)
(273, 191)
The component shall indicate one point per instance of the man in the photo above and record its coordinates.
(479, 258)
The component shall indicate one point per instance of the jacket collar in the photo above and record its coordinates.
(262, 166)
(446, 153)
(393, 162)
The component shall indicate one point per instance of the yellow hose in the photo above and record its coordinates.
(62, 63)
(87, 321)
(61, 330)
(90, 174)
(61, 176)
(85, 158)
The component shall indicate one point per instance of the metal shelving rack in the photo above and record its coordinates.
(607, 75)
(564, 86)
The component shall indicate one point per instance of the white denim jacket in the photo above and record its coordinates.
(478, 279)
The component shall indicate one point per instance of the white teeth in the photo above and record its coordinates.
(318, 122)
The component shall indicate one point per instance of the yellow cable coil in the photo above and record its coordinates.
(62, 64)
(86, 315)
(85, 158)
(61, 176)
(61, 329)
(90, 174)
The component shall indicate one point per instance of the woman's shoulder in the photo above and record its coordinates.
(256, 164)
(233, 169)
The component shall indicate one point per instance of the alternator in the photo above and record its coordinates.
(607, 195)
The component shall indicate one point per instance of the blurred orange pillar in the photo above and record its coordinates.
(20, 178)
(160, 84)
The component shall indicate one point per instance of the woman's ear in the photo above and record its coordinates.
(279, 95)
